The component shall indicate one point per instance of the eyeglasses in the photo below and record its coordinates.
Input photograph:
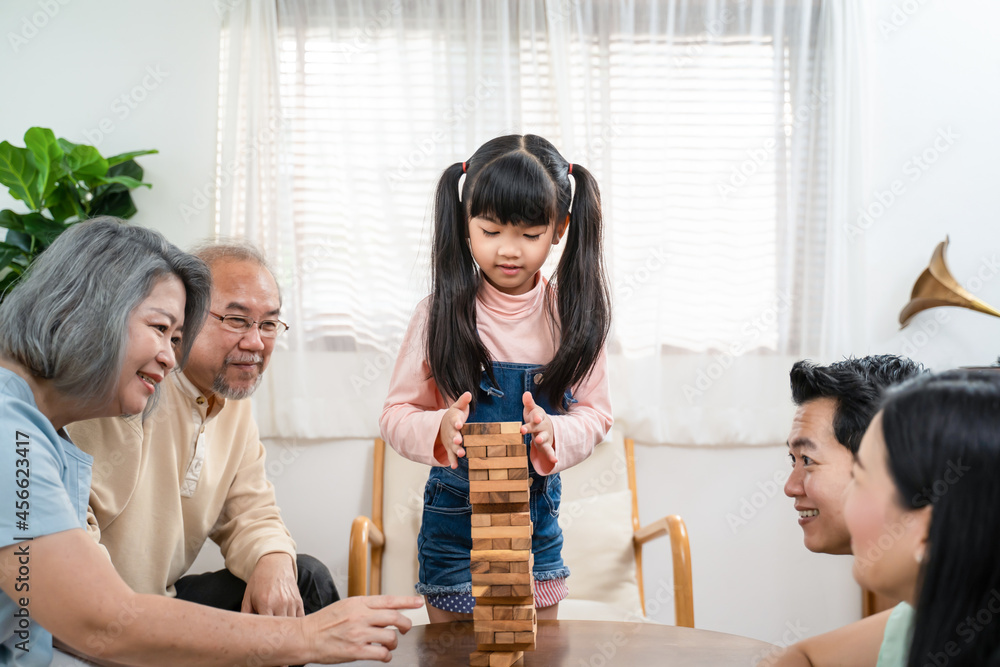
(241, 325)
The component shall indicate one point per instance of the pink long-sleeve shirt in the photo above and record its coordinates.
(515, 329)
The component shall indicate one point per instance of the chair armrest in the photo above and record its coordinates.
(674, 526)
(364, 533)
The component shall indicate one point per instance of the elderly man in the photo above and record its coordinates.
(194, 468)
(835, 405)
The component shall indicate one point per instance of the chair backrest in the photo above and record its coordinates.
(596, 517)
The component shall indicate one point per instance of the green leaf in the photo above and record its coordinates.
(8, 253)
(48, 160)
(7, 283)
(116, 201)
(19, 239)
(86, 161)
(42, 228)
(125, 157)
(127, 168)
(11, 220)
(18, 173)
(127, 181)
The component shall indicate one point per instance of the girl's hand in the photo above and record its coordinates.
(451, 428)
(538, 424)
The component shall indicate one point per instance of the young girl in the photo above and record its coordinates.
(920, 512)
(495, 341)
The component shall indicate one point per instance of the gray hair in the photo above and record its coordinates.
(67, 319)
(233, 250)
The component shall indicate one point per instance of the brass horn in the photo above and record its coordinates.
(936, 287)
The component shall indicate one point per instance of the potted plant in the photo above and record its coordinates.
(61, 183)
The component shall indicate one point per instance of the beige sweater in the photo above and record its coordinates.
(163, 485)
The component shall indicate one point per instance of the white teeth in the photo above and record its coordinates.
(808, 513)
(147, 378)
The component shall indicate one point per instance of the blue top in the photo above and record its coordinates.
(897, 637)
(44, 489)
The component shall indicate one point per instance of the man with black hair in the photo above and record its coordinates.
(835, 405)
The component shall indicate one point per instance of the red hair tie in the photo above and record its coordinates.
(571, 167)
(463, 167)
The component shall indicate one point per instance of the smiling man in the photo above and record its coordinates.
(835, 405)
(193, 469)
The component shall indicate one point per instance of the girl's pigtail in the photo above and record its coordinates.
(455, 354)
(584, 300)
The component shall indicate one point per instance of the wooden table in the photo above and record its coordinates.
(586, 644)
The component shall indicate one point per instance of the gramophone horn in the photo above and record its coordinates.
(936, 287)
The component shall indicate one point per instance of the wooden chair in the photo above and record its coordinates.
(599, 499)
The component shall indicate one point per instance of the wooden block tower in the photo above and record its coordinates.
(504, 616)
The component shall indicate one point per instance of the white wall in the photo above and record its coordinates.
(145, 72)
(938, 70)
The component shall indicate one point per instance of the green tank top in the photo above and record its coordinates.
(897, 637)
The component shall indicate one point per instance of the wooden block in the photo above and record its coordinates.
(504, 637)
(498, 498)
(517, 450)
(521, 591)
(483, 637)
(480, 475)
(493, 474)
(499, 462)
(517, 544)
(480, 658)
(480, 520)
(501, 591)
(505, 647)
(523, 612)
(474, 452)
(524, 637)
(503, 544)
(492, 578)
(519, 519)
(495, 485)
(506, 626)
(498, 451)
(484, 612)
(483, 428)
(504, 612)
(510, 427)
(500, 519)
(480, 567)
(494, 440)
(485, 544)
(498, 568)
(520, 566)
(500, 508)
(506, 658)
(517, 473)
(496, 555)
(502, 531)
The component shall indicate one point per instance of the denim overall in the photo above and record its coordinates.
(445, 539)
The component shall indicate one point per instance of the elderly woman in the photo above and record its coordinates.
(919, 512)
(94, 326)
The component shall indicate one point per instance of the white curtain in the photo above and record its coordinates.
(725, 136)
